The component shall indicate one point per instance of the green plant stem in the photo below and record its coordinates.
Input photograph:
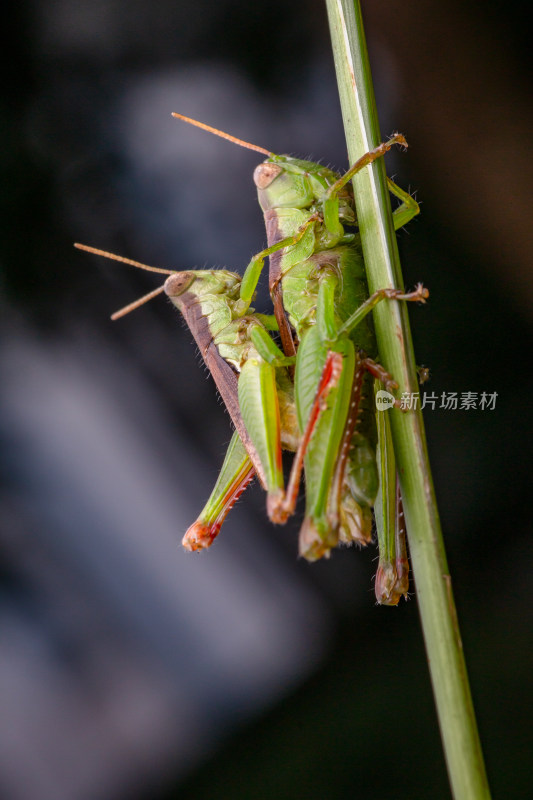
(432, 579)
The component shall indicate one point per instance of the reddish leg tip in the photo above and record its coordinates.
(199, 536)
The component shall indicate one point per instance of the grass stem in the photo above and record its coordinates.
(432, 579)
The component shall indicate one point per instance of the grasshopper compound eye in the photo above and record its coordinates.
(177, 283)
(265, 173)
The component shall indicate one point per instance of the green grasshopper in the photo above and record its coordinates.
(207, 299)
(228, 345)
(317, 280)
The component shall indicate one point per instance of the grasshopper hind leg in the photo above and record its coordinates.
(392, 577)
(236, 474)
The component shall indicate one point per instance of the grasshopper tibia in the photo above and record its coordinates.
(236, 474)
(392, 577)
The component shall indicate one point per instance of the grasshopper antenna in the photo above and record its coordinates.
(136, 303)
(113, 257)
(223, 135)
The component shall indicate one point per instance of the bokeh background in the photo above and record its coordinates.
(128, 669)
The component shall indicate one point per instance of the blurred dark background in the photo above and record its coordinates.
(127, 668)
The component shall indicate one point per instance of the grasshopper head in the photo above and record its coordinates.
(178, 282)
(286, 182)
(201, 282)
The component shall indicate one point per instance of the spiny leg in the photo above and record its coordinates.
(327, 452)
(261, 417)
(326, 421)
(320, 526)
(402, 561)
(333, 374)
(354, 517)
(313, 351)
(330, 379)
(282, 504)
(236, 474)
(335, 497)
(347, 520)
(385, 511)
(392, 577)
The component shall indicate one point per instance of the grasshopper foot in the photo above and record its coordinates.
(312, 545)
(391, 583)
(385, 586)
(419, 295)
(355, 522)
(276, 508)
(199, 536)
(402, 581)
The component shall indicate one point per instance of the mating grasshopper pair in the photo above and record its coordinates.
(316, 395)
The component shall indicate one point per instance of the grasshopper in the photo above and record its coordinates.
(316, 280)
(206, 299)
(230, 345)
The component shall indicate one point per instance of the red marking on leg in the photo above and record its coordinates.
(202, 534)
(329, 378)
(402, 561)
(199, 536)
(353, 414)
